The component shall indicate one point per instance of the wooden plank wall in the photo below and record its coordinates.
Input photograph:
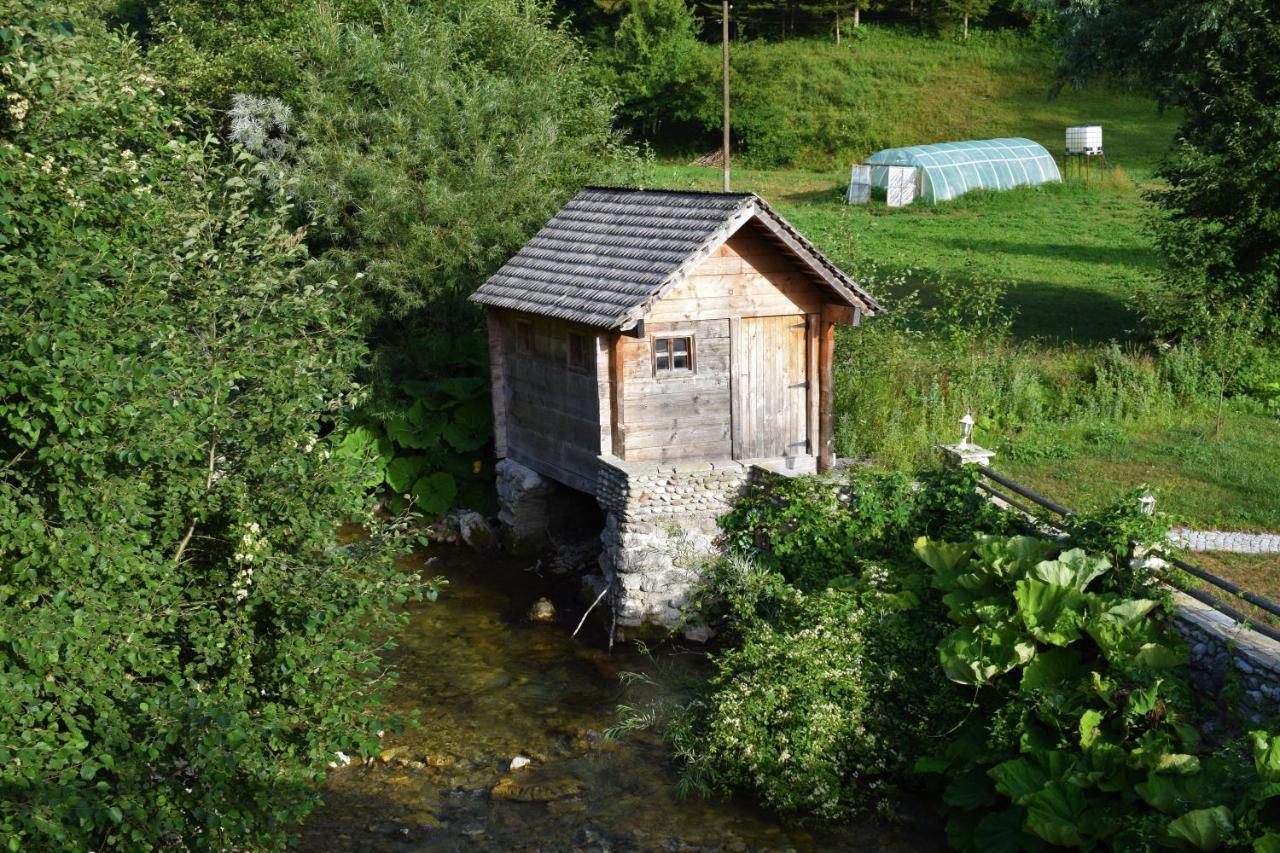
(553, 410)
(688, 418)
(677, 418)
(746, 277)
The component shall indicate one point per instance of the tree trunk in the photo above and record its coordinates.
(837, 25)
(857, 17)
(966, 26)
(1222, 393)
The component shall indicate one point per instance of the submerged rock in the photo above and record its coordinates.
(542, 610)
(545, 791)
(475, 530)
(520, 761)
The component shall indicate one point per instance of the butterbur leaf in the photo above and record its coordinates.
(434, 494)
(1054, 814)
(1051, 669)
(1001, 832)
(1018, 779)
(1165, 793)
(1203, 829)
(975, 655)
(1157, 656)
(943, 557)
(1143, 700)
(969, 791)
(1053, 614)
(1090, 727)
(1269, 843)
(1266, 755)
(403, 471)
(1073, 568)
(1128, 612)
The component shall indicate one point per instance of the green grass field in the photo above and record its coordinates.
(1070, 255)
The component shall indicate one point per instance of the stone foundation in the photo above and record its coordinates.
(660, 526)
(523, 506)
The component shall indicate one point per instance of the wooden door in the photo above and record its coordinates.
(769, 387)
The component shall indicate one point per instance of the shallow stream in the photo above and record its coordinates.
(488, 685)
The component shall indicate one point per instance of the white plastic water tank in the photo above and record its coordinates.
(1084, 140)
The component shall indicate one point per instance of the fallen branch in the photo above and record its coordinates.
(583, 620)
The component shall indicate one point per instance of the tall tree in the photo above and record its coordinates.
(183, 645)
(966, 10)
(655, 64)
(1219, 62)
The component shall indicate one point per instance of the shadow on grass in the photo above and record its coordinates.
(1140, 259)
(1070, 313)
(1049, 312)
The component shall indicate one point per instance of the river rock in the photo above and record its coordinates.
(545, 791)
(520, 761)
(542, 610)
(475, 531)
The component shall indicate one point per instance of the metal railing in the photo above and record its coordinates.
(1264, 604)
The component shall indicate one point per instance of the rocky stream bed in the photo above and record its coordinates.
(491, 687)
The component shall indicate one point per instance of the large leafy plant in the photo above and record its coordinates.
(183, 643)
(1083, 728)
(430, 447)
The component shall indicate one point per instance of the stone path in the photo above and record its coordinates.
(1225, 540)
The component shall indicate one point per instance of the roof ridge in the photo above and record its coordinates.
(617, 189)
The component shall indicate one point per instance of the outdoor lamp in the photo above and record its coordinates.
(966, 430)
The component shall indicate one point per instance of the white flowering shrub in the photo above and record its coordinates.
(818, 710)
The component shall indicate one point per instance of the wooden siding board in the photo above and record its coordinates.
(552, 409)
(497, 380)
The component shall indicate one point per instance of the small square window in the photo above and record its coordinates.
(524, 336)
(577, 351)
(672, 356)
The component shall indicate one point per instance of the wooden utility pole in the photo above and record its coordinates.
(724, 53)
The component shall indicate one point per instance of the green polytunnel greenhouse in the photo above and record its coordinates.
(947, 170)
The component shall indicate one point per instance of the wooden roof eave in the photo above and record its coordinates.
(817, 264)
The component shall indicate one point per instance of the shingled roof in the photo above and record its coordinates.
(611, 253)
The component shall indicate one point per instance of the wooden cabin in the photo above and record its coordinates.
(664, 327)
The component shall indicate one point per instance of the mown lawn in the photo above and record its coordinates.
(1070, 254)
(1230, 482)
(1258, 573)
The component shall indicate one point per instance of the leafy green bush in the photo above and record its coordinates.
(1083, 728)
(817, 710)
(811, 533)
(183, 642)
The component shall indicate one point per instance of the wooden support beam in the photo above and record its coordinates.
(604, 389)
(497, 382)
(617, 362)
(813, 323)
(826, 395)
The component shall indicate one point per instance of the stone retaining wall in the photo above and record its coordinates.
(1220, 647)
(660, 522)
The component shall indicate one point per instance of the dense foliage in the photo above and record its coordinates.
(429, 141)
(1071, 721)
(183, 645)
(817, 708)
(1083, 730)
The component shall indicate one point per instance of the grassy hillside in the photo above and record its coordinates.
(813, 104)
(1070, 255)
